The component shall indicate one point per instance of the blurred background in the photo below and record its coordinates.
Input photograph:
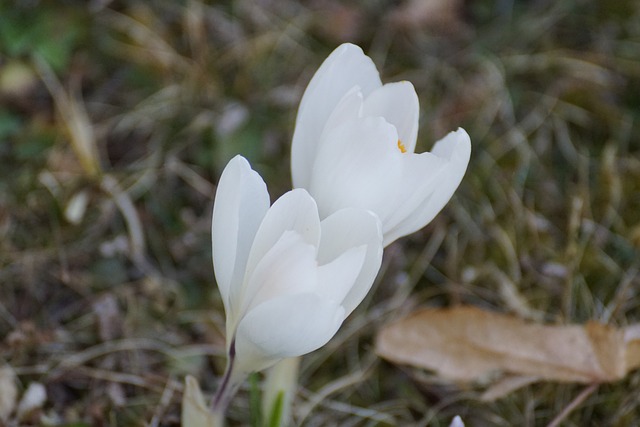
(117, 117)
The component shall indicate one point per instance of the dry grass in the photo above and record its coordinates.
(113, 135)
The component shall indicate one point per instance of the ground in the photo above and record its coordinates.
(117, 118)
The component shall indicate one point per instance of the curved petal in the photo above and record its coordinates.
(455, 150)
(398, 104)
(350, 228)
(285, 327)
(421, 174)
(240, 204)
(296, 211)
(357, 165)
(336, 278)
(346, 67)
(288, 268)
(348, 108)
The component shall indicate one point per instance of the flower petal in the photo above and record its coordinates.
(240, 204)
(296, 211)
(349, 228)
(455, 150)
(336, 278)
(348, 108)
(357, 165)
(422, 174)
(398, 104)
(285, 327)
(346, 67)
(288, 268)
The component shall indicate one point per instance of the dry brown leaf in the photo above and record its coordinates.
(632, 338)
(505, 386)
(467, 343)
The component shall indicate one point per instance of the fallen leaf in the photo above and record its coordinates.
(505, 386)
(467, 344)
(632, 338)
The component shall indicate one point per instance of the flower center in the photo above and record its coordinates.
(401, 147)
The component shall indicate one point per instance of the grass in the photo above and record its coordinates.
(118, 117)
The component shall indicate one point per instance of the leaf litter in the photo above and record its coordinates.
(468, 344)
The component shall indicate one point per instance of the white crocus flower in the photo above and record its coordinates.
(287, 279)
(354, 142)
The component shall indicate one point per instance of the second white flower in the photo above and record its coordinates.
(354, 144)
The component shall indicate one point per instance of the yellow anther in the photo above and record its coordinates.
(401, 147)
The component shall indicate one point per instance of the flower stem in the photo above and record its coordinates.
(228, 387)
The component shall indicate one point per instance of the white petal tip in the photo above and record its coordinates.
(238, 159)
(455, 146)
(348, 47)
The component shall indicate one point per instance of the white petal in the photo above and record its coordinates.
(358, 165)
(456, 422)
(240, 204)
(296, 211)
(337, 278)
(455, 150)
(350, 228)
(285, 327)
(345, 68)
(398, 104)
(349, 107)
(422, 174)
(288, 268)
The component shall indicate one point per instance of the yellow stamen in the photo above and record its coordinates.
(401, 147)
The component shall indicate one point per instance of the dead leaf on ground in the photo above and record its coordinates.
(467, 343)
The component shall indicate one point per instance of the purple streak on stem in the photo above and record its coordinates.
(228, 386)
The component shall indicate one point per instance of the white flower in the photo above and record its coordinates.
(287, 279)
(354, 142)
